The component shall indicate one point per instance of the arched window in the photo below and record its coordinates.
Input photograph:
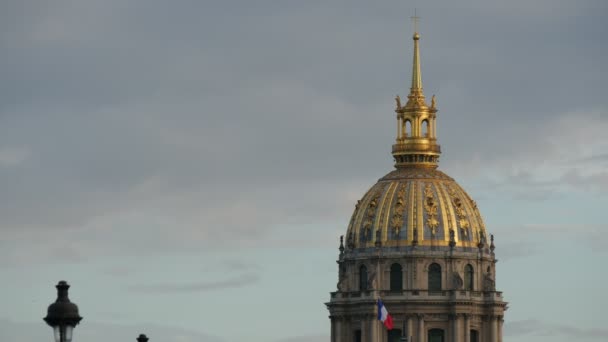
(362, 278)
(358, 335)
(436, 335)
(434, 277)
(425, 128)
(468, 278)
(394, 335)
(474, 336)
(396, 277)
(408, 128)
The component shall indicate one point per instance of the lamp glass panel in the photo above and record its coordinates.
(56, 334)
(68, 333)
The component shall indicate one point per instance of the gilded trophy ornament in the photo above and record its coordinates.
(370, 215)
(430, 205)
(397, 219)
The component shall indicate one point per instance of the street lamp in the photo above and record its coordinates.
(142, 338)
(62, 315)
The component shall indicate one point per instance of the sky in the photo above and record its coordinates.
(188, 166)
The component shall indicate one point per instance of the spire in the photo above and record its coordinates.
(416, 75)
(416, 143)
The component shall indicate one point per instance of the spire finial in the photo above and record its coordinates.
(416, 74)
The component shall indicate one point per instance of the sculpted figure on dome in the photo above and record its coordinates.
(371, 280)
(488, 282)
(398, 100)
(341, 285)
(457, 281)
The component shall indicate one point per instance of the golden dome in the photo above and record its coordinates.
(416, 204)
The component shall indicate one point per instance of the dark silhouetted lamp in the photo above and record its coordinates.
(62, 315)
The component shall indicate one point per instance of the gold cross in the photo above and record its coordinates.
(415, 20)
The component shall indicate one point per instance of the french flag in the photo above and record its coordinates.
(384, 316)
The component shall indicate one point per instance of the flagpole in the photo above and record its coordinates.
(378, 244)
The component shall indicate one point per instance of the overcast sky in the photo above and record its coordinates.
(188, 166)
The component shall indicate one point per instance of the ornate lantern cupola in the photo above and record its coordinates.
(416, 143)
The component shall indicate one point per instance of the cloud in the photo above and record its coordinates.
(562, 154)
(308, 338)
(167, 127)
(509, 243)
(98, 332)
(173, 288)
(534, 327)
(12, 156)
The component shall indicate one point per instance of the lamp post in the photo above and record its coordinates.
(142, 338)
(62, 315)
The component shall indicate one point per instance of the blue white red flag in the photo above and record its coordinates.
(384, 316)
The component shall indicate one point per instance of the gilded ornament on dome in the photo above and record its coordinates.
(367, 225)
(464, 224)
(459, 210)
(430, 205)
(374, 203)
(397, 219)
(399, 210)
(370, 214)
(397, 223)
(433, 224)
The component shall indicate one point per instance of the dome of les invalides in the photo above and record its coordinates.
(416, 204)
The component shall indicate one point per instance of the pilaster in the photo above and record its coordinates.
(467, 327)
(421, 332)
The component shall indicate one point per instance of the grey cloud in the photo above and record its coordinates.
(239, 265)
(99, 332)
(172, 288)
(120, 271)
(226, 266)
(509, 250)
(510, 245)
(545, 160)
(173, 116)
(308, 338)
(536, 327)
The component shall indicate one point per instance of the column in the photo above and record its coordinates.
(333, 329)
(375, 332)
(421, 332)
(500, 323)
(449, 335)
(467, 328)
(371, 331)
(457, 333)
(364, 330)
(409, 332)
(493, 332)
(338, 329)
